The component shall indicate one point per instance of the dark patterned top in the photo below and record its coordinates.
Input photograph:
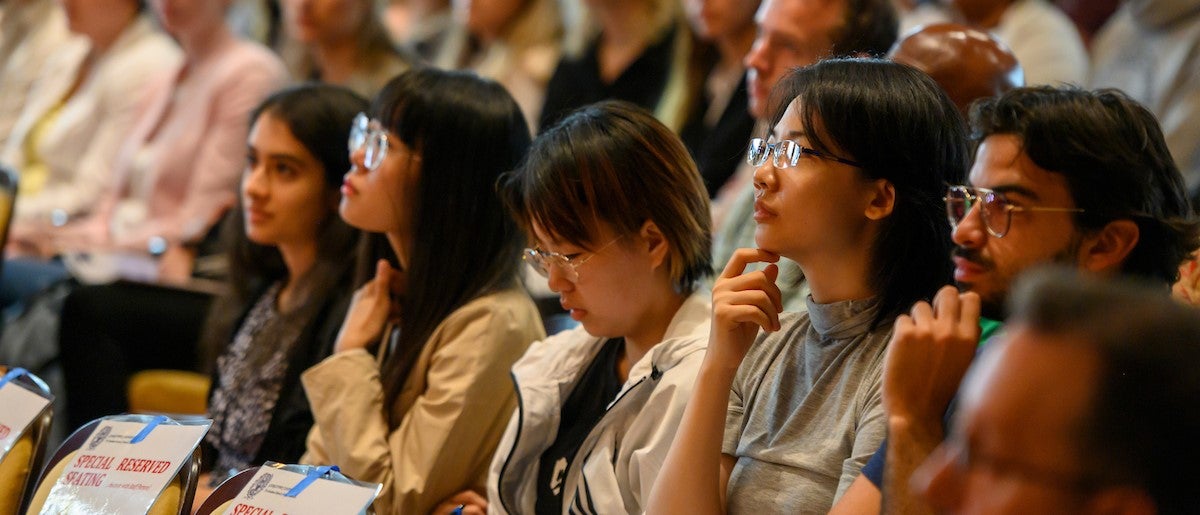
(248, 389)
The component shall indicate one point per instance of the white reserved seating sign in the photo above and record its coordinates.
(268, 494)
(115, 472)
(19, 407)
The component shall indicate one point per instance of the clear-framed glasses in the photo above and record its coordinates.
(542, 261)
(369, 135)
(995, 209)
(785, 153)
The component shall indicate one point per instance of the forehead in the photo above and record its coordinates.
(1028, 396)
(801, 21)
(1001, 164)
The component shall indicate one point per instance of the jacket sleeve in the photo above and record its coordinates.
(219, 158)
(445, 441)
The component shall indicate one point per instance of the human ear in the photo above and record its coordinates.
(883, 199)
(1107, 249)
(656, 244)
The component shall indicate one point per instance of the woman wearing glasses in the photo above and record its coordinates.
(849, 185)
(417, 392)
(620, 219)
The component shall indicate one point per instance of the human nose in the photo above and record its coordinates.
(764, 175)
(559, 278)
(939, 480)
(756, 57)
(254, 183)
(971, 230)
(358, 158)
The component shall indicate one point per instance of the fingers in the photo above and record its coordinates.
(945, 303)
(970, 306)
(743, 257)
(750, 306)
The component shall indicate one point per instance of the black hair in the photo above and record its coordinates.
(468, 131)
(1142, 420)
(319, 117)
(1112, 153)
(870, 28)
(900, 126)
(612, 162)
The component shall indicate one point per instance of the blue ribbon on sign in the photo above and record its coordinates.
(308, 480)
(12, 374)
(149, 427)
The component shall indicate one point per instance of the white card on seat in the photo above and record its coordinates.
(112, 473)
(19, 407)
(267, 494)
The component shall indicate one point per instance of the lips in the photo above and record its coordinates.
(762, 212)
(966, 270)
(257, 216)
(348, 188)
(575, 313)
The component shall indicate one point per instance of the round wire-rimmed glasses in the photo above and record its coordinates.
(541, 261)
(996, 210)
(786, 153)
(369, 135)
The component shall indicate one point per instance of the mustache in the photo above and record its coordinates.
(973, 256)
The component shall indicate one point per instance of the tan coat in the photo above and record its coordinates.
(456, 404)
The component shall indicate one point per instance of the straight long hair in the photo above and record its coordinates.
(901, 126)
(319, 116)
(468, 131)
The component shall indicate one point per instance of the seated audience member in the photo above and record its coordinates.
(782, 420)
(341, 42)
(289, 288)
(791, 34)
(1060, 176)
(718, 122)
(64, 145)
(1089, 15)
(450, 321)
(1045, 41)
(632, 51)
(620, 220)
(968, 64)
(30, 31)
(1150, 49)
(1121, 362)
(177, 171)
(515, 42)
(418, 25)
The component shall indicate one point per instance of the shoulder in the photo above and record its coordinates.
(507, 316)
(564, 353)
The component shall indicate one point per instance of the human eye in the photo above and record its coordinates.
(284, 169)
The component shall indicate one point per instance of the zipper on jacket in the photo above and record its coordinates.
(578, 464)
(516, 442)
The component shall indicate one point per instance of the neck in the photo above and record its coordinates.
(652, 326)
(203, 42)
(625, 23)
(336, 60)
(988, 17)
(840, 276)
(400, 244)
(108, 33)
(298, 258)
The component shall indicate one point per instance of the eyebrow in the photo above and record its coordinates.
(1017, 189)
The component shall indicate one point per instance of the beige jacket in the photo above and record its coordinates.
(456, 404)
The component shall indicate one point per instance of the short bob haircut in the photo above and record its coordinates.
(1113, 155)
(613, 163)
(468, 131)
(900, 126)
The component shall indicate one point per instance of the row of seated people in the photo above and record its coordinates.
(663, 401)
(408, 268)
(118, 168)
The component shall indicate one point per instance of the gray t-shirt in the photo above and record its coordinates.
(806, 411)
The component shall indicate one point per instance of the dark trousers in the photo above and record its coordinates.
(111, 331)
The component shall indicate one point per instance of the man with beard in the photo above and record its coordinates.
(1061, 175)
